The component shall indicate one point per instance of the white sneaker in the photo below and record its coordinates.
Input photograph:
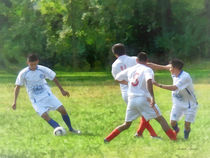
(76, 131)
(138, 136)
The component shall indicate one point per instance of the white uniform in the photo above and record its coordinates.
(137, 77)
(184, 100)
(39, 92)
(121, 63)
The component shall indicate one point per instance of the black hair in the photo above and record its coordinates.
(32, 57)
(119, 49)
(177, 63)
(142, 56)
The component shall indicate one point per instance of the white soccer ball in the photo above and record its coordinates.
(59, 131)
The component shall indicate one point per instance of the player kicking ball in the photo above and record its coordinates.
(183, 97)
(34, 78)
(141, 101)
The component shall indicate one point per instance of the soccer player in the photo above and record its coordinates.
(121, 63)
(34, 78)
(183, 97)
(141, 101)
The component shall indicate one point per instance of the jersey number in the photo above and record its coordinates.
(135, 81)
(123, 67)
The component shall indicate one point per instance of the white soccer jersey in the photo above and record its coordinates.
(121, 63)
(35, 82)
(184, 95)
(137, 77)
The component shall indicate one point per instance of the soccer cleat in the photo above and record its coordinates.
(138, 136)
(75, 131)
(156, 137)
(106, 141)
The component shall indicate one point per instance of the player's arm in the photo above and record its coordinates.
(16, 93)
(64, 93)
(150, 89)
(122, 77)
(167, 87)
(122, 82)
(158, 67)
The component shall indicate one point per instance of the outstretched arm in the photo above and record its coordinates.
(168, 87)
(16, 92)
(158, 67)
(150, 89)
(64, 93)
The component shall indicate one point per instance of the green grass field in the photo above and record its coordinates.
(96, 108)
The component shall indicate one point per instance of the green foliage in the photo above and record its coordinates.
(78, 34)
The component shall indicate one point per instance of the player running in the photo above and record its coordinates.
(183, 97)
(34, 78)
(121, 63)
(141, 101)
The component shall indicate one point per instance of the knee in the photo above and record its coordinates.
(46, 117)
(187, 126)
(159, 119)
(126, 125)
(62, 110)
(173, 123)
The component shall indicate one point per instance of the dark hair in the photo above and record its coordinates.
(142, 56)
(32, 57)
(177, 63)
(118, 49)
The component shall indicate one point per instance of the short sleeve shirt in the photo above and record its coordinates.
(35, 82)
(122, 63)
(184, 95)
(137, 77)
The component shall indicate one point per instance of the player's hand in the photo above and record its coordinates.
(65, 93)
(14, 106)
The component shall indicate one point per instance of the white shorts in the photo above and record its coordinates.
(178, 112)
(46, 104)
(125, 97)
(139, 106)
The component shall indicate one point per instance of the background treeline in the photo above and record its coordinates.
(78, 34)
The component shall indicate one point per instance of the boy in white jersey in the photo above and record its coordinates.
(41, 97)
(141, 101)
(183, 97)
(121, 63)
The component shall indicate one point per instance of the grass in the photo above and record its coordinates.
(96, 108)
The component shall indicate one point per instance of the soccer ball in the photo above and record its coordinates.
(59, 131)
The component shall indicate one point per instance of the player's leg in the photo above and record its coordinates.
(190, 114)
(145, 124)
(65, 116)
(176, 114)
(47, 118)
(117, 131)
(66, 119)
(187, 130)
(166, 128)
(174, 125)
(131, 114)
(147, 112)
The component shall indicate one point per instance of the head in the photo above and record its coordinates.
(142, 57)
(32, 61)
(118, 49)
(176, 66)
